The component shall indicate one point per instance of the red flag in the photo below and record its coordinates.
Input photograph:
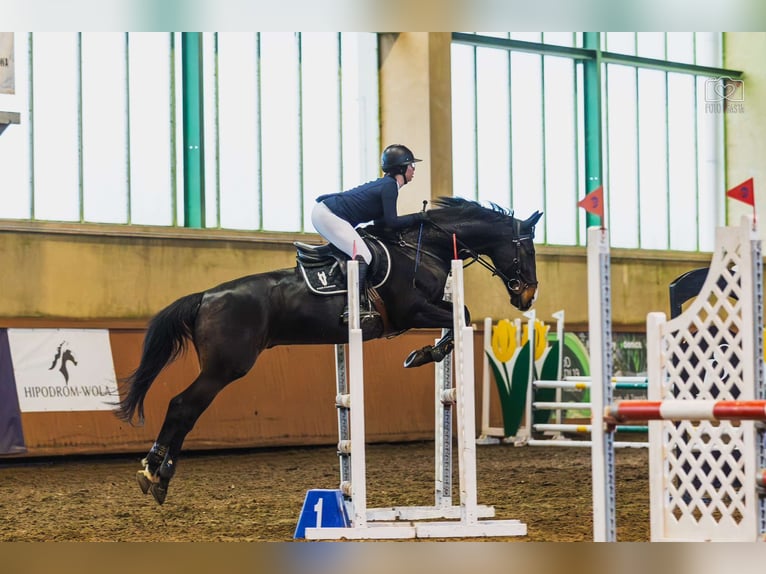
(594, 202)
(744, 192)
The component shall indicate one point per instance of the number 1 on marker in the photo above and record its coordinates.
(318, 510)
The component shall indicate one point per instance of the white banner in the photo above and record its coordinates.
(63, 369)
(7, 66)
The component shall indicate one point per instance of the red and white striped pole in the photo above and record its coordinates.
(699, 410)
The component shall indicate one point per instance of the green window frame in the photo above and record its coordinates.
(595, 66)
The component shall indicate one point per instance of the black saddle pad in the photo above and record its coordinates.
(324, 267)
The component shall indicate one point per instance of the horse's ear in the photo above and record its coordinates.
(532, 220)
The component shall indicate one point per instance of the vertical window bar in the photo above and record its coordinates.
(696, 167)
(340, 110)
(604, 114)
(172, 133)
(301, 189)
(638, 144)
(638, 147)
(31, 128)
(694, 51)
(127, 128)
(577, 149)
(80, 167)
(259, 137)
(667, 150)
(194, 168)
(510, 129)
(592, 120)
(543, 143)
(696, 148)
(476, 128)
(667, 155)
(217, 123)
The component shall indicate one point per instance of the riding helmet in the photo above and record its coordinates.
(395, 159)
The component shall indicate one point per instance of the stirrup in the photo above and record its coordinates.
(365, 314)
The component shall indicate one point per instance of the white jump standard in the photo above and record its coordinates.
(707, 455)
(415, 522)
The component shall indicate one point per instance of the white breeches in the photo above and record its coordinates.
(339, 232)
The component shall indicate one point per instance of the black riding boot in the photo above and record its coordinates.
(366, 311)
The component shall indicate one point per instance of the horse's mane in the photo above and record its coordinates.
(450, 209)
(474, 208)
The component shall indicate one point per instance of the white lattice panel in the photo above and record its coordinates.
(702, 473)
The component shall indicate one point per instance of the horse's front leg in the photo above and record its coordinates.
(439, 315)
(431, 353)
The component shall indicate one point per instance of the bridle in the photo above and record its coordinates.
(516, 284)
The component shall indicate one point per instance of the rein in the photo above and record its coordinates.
(417, 255)
(516, 284)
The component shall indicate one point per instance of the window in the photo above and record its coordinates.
(285, 117)
(96, 141)
(520, 108)
(290, 117)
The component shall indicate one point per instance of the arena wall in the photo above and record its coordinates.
(105, 278)
(287, 399)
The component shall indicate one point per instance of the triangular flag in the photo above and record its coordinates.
(594, 202)
(744, 192)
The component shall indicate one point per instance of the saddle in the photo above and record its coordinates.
(324, 266)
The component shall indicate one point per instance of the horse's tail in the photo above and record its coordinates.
(166, 338)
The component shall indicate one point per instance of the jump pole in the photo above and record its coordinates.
(363, 520)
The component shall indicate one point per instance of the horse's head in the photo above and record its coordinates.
(508, 241)
(515, 257)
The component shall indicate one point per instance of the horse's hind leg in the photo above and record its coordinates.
(183, 411)
(149, 479)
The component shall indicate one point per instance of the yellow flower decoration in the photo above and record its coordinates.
(503, 340)
(541, 337)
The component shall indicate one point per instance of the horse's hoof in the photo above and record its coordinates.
(144, 480)
(159, 491)
(417, 359)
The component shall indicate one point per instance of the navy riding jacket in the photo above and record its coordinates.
(372, 201)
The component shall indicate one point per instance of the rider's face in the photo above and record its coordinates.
(410, 173)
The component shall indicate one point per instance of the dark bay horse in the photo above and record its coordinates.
(231, 324)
